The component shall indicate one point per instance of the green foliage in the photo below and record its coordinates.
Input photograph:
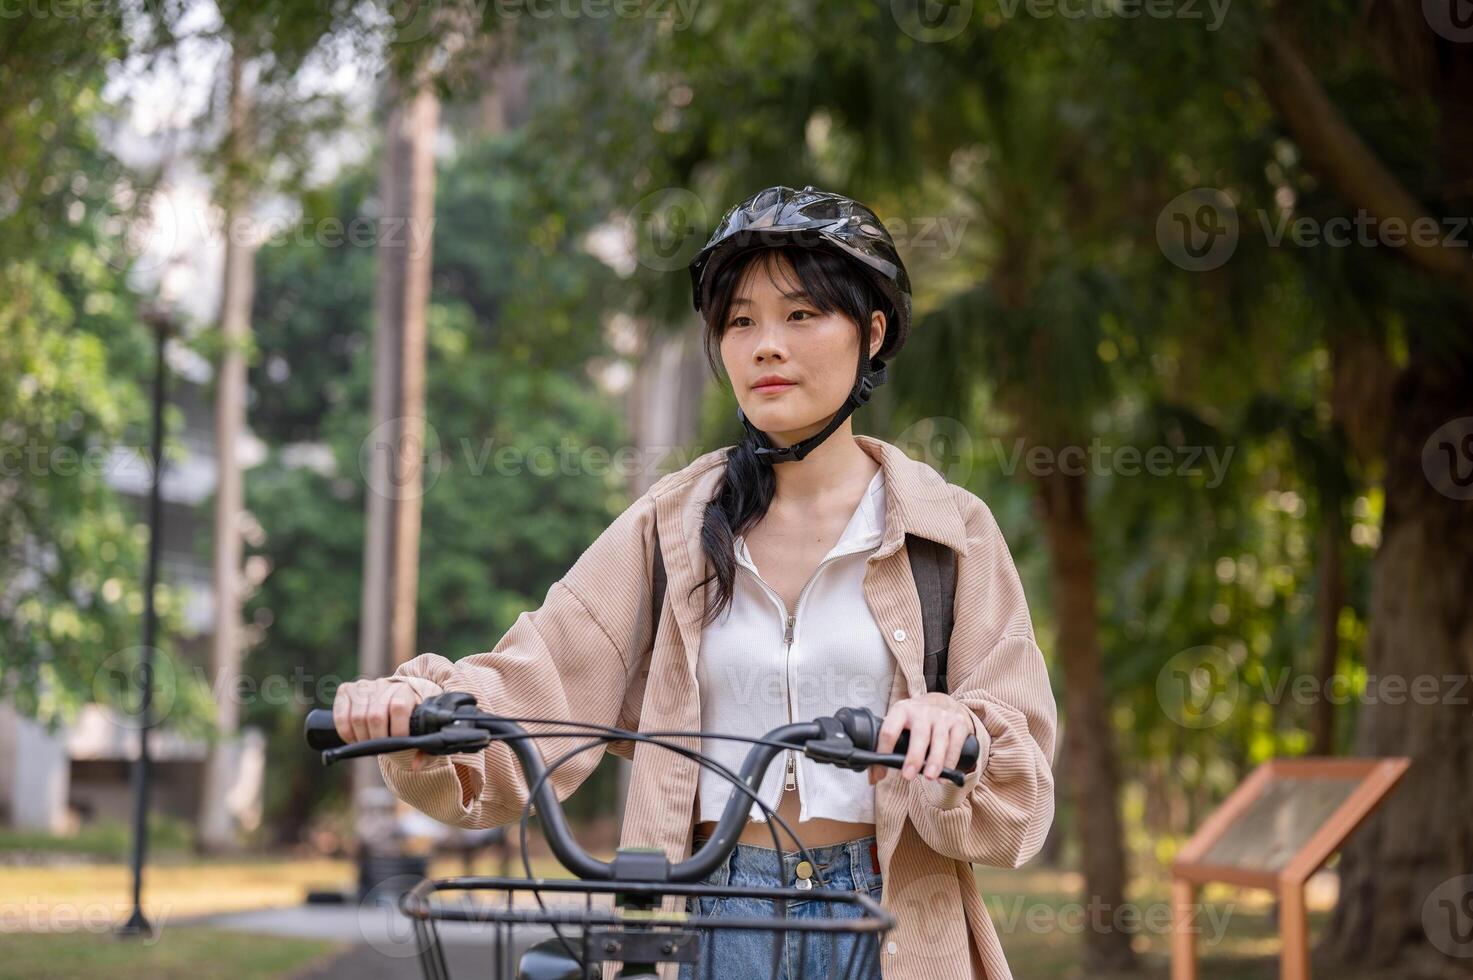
(75, 366)
(518, 479)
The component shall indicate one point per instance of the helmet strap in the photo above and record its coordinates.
(870, 378)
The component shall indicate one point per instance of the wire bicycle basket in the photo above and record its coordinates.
(582, 933)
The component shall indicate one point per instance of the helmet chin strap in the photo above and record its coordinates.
(866, 384)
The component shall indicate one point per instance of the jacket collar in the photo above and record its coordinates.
(917, 500)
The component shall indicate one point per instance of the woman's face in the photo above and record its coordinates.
(773, 330)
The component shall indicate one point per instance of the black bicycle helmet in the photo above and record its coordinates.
(779, 216)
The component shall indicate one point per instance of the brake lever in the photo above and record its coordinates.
(894, 760)
(447, 741)
(836, 748)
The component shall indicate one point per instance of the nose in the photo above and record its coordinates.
(769, 343)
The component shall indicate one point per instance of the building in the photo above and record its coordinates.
(56, 781)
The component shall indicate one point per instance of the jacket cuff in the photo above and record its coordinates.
(943, 794)
(431, 789)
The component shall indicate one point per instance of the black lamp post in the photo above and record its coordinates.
(138, 924)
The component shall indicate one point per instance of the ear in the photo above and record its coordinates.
(876, 332)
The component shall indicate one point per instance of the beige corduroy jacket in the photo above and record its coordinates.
(586, 654)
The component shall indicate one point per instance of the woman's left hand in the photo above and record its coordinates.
(939, 725)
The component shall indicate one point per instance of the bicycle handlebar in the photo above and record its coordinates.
(451, 723)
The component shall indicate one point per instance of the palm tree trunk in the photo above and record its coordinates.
(217, 829)
(1089, 739)
(399, 451)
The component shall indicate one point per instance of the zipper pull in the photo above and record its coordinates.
(788, 629)
(790, 780)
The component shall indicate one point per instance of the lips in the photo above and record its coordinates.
(772, 383)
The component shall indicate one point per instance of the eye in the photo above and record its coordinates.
(807, 314)
(736, 321)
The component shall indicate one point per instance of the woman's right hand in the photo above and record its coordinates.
(380, 708)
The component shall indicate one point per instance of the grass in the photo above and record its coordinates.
(1040, 919)
(1036, 911)
(188, 953)
(48, 895)
(109, 841)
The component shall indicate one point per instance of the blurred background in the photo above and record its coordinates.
(403, 285)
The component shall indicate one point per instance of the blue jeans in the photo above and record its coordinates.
(748, 953)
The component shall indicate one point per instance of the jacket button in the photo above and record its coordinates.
(890, 947)
(899, 636)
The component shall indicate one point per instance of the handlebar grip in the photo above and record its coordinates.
(322, 732)
(965, 763)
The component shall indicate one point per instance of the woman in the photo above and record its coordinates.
(790, 595)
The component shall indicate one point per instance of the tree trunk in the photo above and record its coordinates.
(217, 826)
(1419, 653)
(397, 451)
(663, 406)
(1327, 611)
(1089, 739)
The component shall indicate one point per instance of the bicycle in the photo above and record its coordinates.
(631, 931)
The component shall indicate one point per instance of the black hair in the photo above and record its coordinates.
(834, 283)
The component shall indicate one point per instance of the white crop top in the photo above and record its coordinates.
(754, 674)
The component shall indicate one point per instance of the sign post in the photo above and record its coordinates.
(1274, 831)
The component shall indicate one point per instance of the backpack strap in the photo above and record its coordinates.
(933, 566)
(659, 580)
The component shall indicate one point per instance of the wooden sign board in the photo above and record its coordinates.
(1274, 831)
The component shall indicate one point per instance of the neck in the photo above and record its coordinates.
(829, 468)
